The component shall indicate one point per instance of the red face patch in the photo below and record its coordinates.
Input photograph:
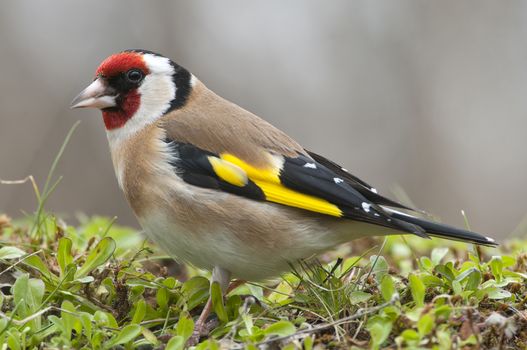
(129, 102)
(120, 63)
(116, 118)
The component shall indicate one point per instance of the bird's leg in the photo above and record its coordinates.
(221, 276)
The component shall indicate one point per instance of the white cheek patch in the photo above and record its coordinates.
(158, 64)
(156, 92)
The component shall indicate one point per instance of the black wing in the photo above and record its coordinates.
(300, 182)
(365, 189)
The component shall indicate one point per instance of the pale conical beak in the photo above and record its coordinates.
(97, 95)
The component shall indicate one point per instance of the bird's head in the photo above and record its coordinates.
(135, 87)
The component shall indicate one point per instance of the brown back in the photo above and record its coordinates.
(214, 124)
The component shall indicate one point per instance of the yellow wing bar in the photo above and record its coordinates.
(267, 175)
(228, 172)
(268, 181)
(283, 195)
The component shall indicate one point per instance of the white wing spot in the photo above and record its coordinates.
(310, 165)
(376, 214)
(338, 180)
(366, 207)
(374, 190)
(346, 170)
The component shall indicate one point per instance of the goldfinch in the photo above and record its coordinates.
(218, 187)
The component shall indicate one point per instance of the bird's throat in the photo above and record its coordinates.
(117, 117)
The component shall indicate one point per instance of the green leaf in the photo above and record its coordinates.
(444, 338)
(463, 275)
(149, 336)
(471, 340)
(410, 335)
(126, 335)
(425, 324)
(391, 312)
(414, 314)
(162, 298)
(7, 253)
(194, 285)
(232, 305)
(426, 263)
(28, 294)
(170, 282)
(473, 280)
(29, 291)
(431, 280)
(357, 297)
(140, 311)
(196, 289)
(281, 294)
(456, 286)
(84, 280)
(379, 329)
(104, 319)
(86, 320)
(64, 256)
(13, 341)
(176, 343)
(69, 274)
(35, 262)
(443, 311)
(387, 287)
(217, 301)
(508, 261)
(446, 272)
(417, 288)
(59, 323)
(256, 291)
(281, 328)
(185, 326)
(497, 293)
(496, 266)
(438, 254)
(68, 320)
(308, 343)
(211, 344)
(379, 267)
(102, 252)
(248, 322)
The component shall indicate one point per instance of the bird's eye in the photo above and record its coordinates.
(134, 76)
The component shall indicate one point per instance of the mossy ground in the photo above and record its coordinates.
(102, 286)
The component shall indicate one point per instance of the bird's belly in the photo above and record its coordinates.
(252, 240)
(214, 248)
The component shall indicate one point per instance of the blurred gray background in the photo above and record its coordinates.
(429, 96)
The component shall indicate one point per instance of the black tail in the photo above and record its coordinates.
(445, 231)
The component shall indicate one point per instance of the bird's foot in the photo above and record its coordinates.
(200, 330)
(200, 325)
(194, 338)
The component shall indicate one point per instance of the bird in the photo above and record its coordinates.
(220, 188)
